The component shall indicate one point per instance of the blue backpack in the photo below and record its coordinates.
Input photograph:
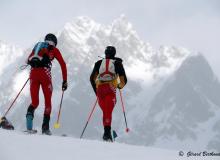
(39, 56)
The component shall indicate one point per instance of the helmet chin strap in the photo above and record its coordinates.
(51, 43)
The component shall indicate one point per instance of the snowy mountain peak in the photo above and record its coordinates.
(82, 29)
(84, 21)
(122, 25)
(89, 38)
(79, 30)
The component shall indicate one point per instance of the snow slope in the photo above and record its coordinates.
(17, 146)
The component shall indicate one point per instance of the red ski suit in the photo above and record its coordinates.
(106, 91)
(42, 77)
(106, 94)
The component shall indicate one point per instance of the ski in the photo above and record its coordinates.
(109, 141)
(47, 134)
(33, 131)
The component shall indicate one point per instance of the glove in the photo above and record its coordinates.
(64, 85)
(119, 86)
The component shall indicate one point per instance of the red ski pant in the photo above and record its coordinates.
(41, 77)
(106, 94)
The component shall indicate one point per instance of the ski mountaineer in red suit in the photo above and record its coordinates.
(108, 74)
(40, 75)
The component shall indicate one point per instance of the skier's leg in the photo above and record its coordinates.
(47, 91)
(107, 99)
(107, 128)
(101, 101)
(34, 90)
(109, 105)
(107, 116)
(45, 125)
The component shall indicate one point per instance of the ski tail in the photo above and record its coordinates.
(114, 135)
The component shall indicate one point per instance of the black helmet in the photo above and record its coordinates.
(110, 51)
(51, 37)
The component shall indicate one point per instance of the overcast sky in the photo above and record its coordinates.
(194, 24)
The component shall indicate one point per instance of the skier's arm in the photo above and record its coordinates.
(31, 54)
(94, 75)
(122, 75)
(62, 63)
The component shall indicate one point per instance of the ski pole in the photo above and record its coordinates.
(89, 118)
(16, 98)
(123, 108)
(57, 124)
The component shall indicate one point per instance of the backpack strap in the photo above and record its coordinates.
(107, 68)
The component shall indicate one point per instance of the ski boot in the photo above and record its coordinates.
(45, 125)
(29, 122)
(5, 124)
(29, 118)
(107, 134)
